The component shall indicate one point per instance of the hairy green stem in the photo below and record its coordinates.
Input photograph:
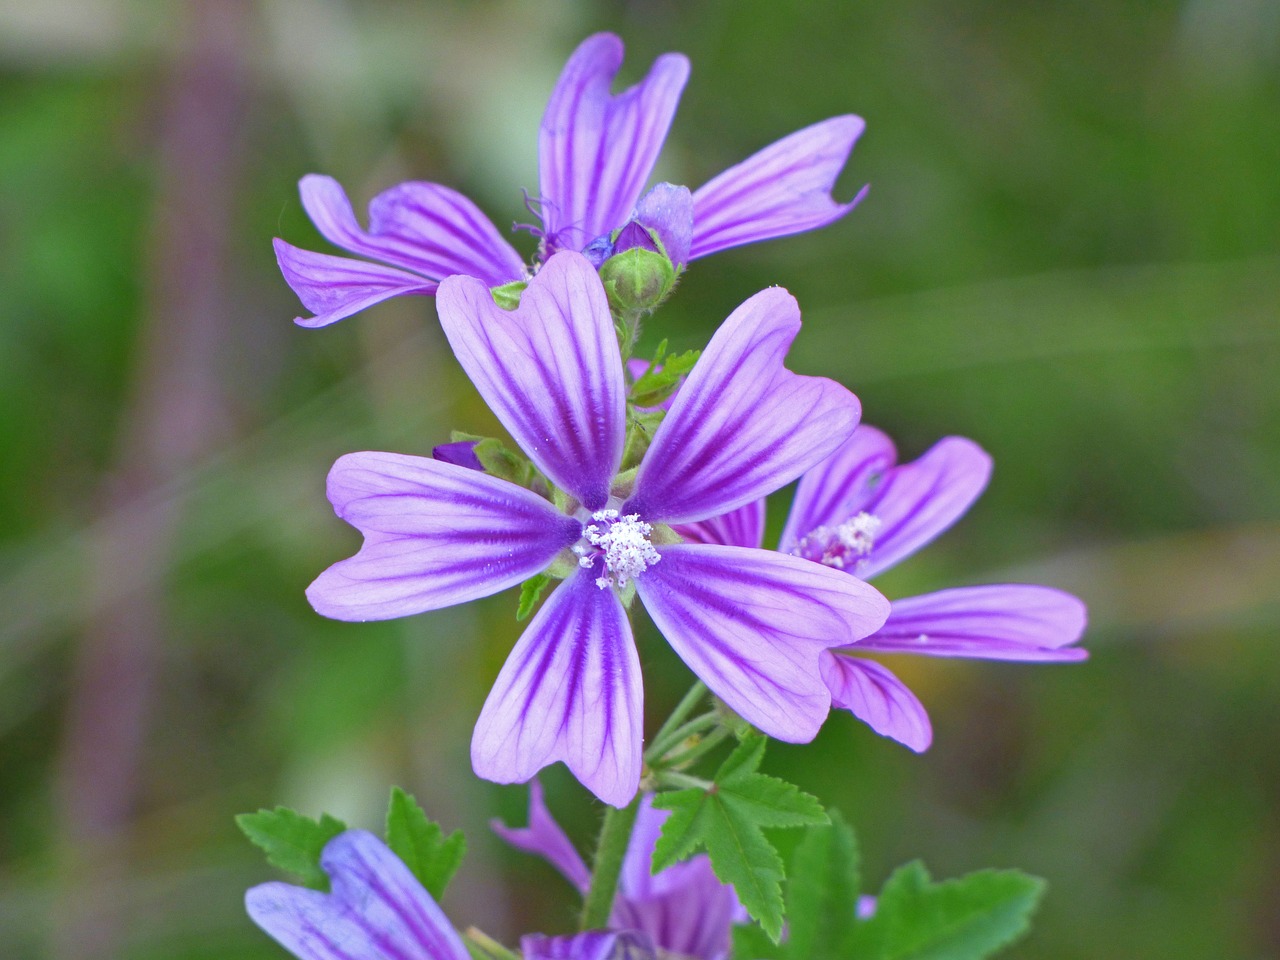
(615, 834)
(704, 746)
(682, 710)
(662, 744)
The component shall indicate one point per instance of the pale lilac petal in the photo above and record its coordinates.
(550, 370)
(592, 945)
(334, 288)
(742, 425)
(878, 699)
(783, 189)
(684, 909)
(423, 227)
(595, 149)
(544, 838)
(377, 909)
(1012, 621)
(668, 210)
(919, 500)
(743, 527)
(838, 487)
(751, 624)
(436, 534)
(570, 691)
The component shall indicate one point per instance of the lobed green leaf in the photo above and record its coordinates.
(421, 843)
(292, 842)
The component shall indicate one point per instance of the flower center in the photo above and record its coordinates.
(845, 546)
(623, 544)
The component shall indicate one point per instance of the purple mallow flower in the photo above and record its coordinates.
(751, 623)
(377, 910)
(860, 513)
(596, 152)
(683, 910)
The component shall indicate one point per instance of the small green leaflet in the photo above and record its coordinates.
(663, 376)
(530, 592)
(292, 842)
(822, 893)
(421, 843)
(727, 819)
(965, 919)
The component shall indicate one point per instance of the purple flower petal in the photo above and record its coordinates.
(742, 425)
(668, 210)
(919, 500)
(684, 909)
(878, 698)
(423, 227)
(436, 534)
(593, 945)
(783, 189)
(377, 910)
(550, 370)
(461, 452)
(743, 527)
(544, 838)
(596, 150)
(334, 288)
(751, 624)
(570, 691)
(837, 488)
(1001, 622)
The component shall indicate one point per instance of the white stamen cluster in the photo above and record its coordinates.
(624, 542)
(843, 545)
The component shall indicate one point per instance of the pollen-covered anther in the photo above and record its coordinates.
(841, 546)
(624, 544)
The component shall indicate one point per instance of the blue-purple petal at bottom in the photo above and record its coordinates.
(751, 624)
(377, 909)
(1011, 621)
(569, 691)
(592, 945)
(877, 698)
(544, 838)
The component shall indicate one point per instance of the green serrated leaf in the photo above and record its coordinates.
(727, 818)
(292, 841)
(530, 592)
(822, 893)
(663, 376)
(749, 942)
(965, 919)
(421, 843)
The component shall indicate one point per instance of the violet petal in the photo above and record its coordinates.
(783, 189)
(741, 425)
(334, 288)
(424, 227)
(377, 909)
(544, 838)
(570, 691)
(743, 527)
(550, 370)
(878, 698)
(460, 452)
(668, 210)
(838, 487)
(436, 534)
(592, 945)
(1012, 621)
(596, 149)
(751, 624)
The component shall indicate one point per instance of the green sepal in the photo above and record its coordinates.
(969, 918)
(637, 281)
(726, 818)
(501, 462)
(421, 843)
(507, 296)
(641, 426)
(292, 842)
(530, 592)
(663, 376)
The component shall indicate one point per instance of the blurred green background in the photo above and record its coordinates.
(1070, 252)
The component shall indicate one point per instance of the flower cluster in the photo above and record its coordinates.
(635, 481)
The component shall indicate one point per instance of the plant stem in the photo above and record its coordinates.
(658, 749)
(615, 834)
(706, 745)
(682, 710)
